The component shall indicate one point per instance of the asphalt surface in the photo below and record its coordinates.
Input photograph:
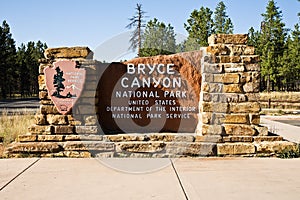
(21, 106)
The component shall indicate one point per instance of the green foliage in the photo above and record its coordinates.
(222, 23)
(18, 68)
(204, 22)
(137, 21)
(7, 60)
(158, 39)
(199, 26)
(286, 154)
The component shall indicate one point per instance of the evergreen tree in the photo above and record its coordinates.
(158, 39)
(290, 62)
(199, 27)
(7, 60)
(137, 21)
(253, 39)
(272, 40)
(222, 23)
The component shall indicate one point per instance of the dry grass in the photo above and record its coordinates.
(12, 125)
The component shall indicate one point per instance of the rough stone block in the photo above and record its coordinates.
(234, 67)
(34, 147)
(252, 67)
(228, 59)
(191, 149)
(43, 95)
(141, 147)
(38, 129)
(212, 68)
(235, 148)
(91, 120)
(63, 129)
(68, 52)
(218, 49)
(227, 78)
(50, 138)
(236, 119)
(211, 129)
(41, 79)
(57, 119)
(245, 107)
(48, 109)
(250, 59)
(27, 138)
(127, 137)
(239, 129)
(208, 138)
(40, 119)
(214, 107)
(42, 67)
(238, 138)
(228, 39)
(86, 129)
(267, 138)
(212, 87)
(251, 87)
(77, 154)
(275, 147)
(262, 130)
(254, 119)
(232, 88)
(88, 145)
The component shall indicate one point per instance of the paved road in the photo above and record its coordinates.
(198, 178)
(30, 105)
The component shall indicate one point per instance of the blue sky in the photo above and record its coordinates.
(92, 22)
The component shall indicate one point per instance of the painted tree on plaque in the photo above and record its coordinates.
(58, 83)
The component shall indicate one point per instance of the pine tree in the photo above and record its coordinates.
(272, 40)
(222, 23)
(137, 21)
(7, 60)
(158, 39)
(253, 39)
(199, 27)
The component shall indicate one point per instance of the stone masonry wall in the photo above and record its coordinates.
(228, 119)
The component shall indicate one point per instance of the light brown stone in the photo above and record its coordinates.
(77, 154)
(244, 107)
(68, 52)
(88, 145)
(250, 59)
(48, 109)
(40, 119)
(267, 138)
(191, 149)
(41, 79)
(34, 147)
(208, 138)
(142, 147)
(218, 49)
(239, 129)
(262, 130)
(275, 147)
(211, 129)
(228, 39)
(228, 59)
(234, 67)
(231, 78)
(214, 107)
(27, 138)
(235, 148)
(251, 87)
(236, 119)
(212, 68)
(91, 120)
(123, 137)
(38, 129)
(252, 67)
(50, 138)
(232, 88)
(63, 129)
(86, 129)
(255, 119)
(234, 138)
(57, 119)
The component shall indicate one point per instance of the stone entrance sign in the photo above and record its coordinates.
(64, 84)
(201, 103)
